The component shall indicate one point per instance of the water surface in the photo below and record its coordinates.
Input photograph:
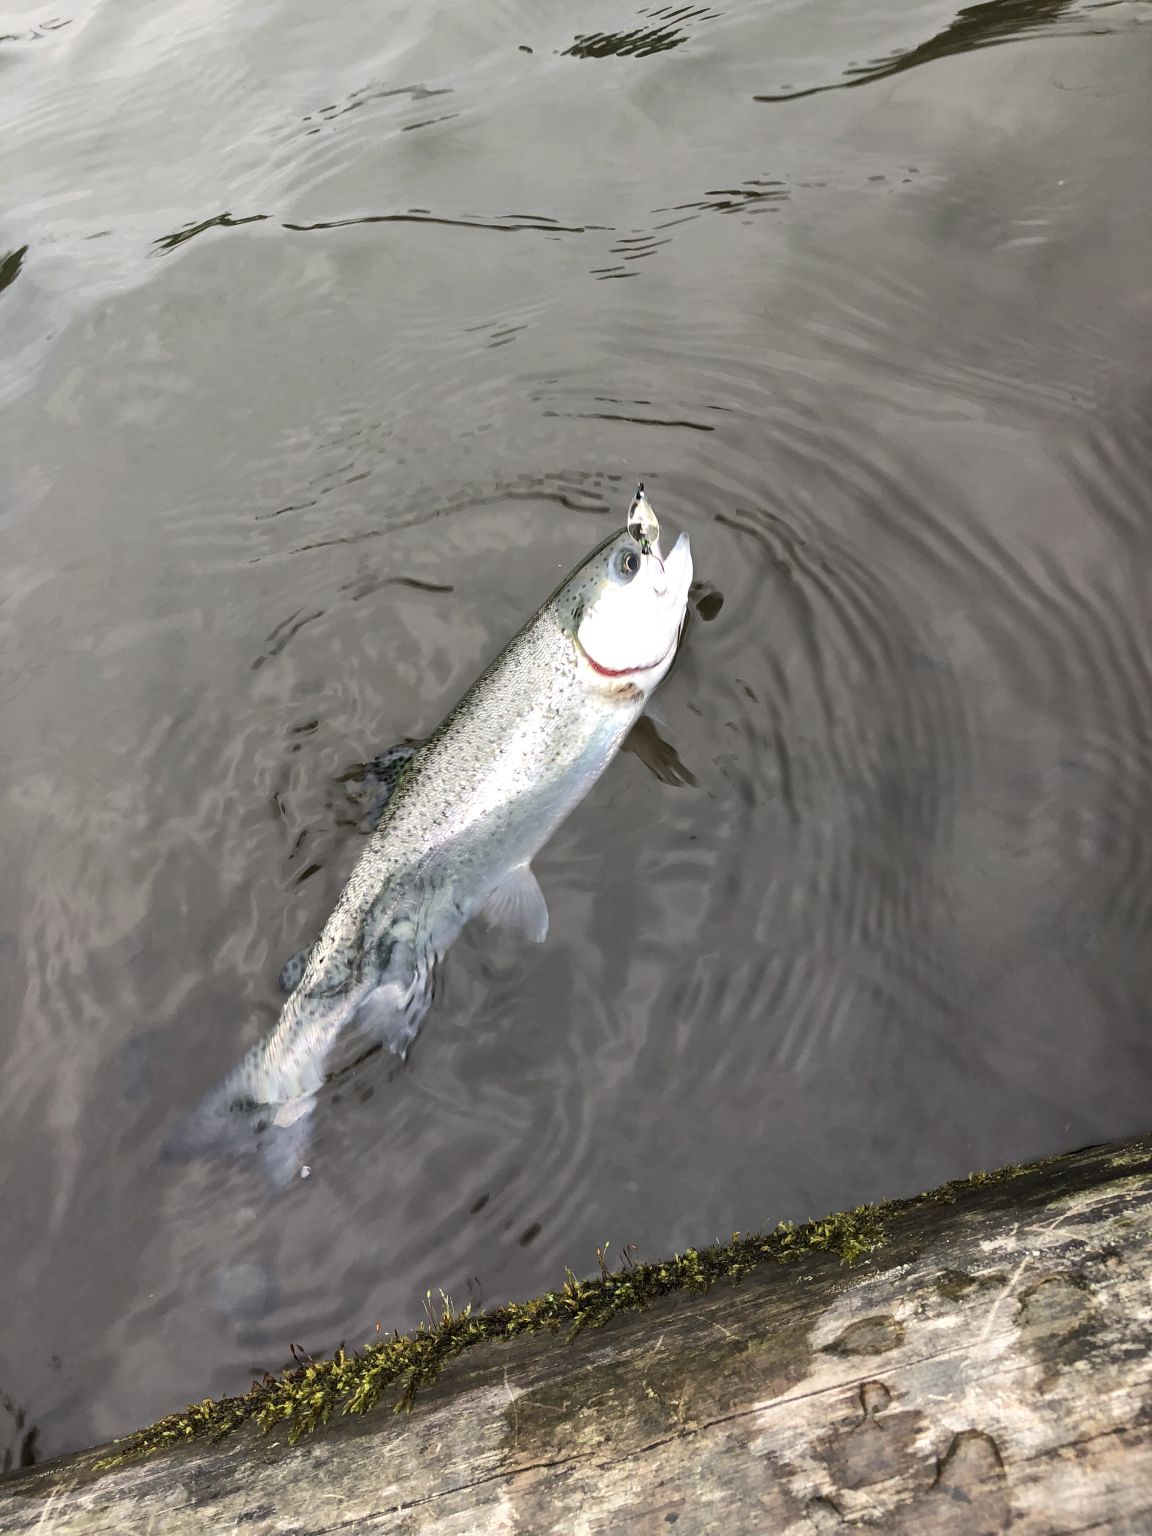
(327, 345)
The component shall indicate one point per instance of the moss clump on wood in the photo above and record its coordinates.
(306, 1396)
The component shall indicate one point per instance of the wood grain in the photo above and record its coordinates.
(989, 1367)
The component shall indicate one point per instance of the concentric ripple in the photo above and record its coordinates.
(329, 349)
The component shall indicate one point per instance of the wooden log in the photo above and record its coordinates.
(988, 1365)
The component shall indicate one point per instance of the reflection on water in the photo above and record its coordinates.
(866, 905)
(665, 27)
(10, 266)
(18, 1438)
(975, 26)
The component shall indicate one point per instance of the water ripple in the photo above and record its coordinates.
(10, 266)
(988, 25)
(669, 26)
(868, 905)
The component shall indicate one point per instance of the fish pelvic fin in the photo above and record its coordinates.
(518, 904)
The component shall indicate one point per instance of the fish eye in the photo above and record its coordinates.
(628, 562)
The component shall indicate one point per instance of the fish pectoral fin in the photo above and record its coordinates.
(518, 904)
(660, 757)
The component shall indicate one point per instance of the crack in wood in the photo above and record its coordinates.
(677, 1404)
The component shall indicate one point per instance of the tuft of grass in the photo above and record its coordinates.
(306, 1395)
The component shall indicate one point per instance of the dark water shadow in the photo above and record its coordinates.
(10, 266)
(218, 221)
(18, 1437)
(976, 26)
(640, 42)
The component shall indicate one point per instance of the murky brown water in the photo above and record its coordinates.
(327, 339)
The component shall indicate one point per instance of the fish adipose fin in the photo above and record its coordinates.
(518, 904)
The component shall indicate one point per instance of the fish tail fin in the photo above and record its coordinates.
(228, 1124)
(264, 1106)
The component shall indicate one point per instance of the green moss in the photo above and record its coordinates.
(307, 1395)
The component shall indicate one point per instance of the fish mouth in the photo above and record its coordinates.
(676, 571)
(645, 666)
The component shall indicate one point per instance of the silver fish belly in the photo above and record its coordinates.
(473, 806)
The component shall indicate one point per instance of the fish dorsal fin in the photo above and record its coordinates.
(292, 971)
(518, 904)
(377, 780)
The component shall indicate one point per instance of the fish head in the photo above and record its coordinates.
(624, 607)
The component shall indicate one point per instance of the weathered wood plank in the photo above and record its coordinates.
(989, 1365)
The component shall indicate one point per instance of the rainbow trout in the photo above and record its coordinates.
(468, 810)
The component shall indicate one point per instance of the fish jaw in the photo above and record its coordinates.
(678, 577)
(626, 643)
